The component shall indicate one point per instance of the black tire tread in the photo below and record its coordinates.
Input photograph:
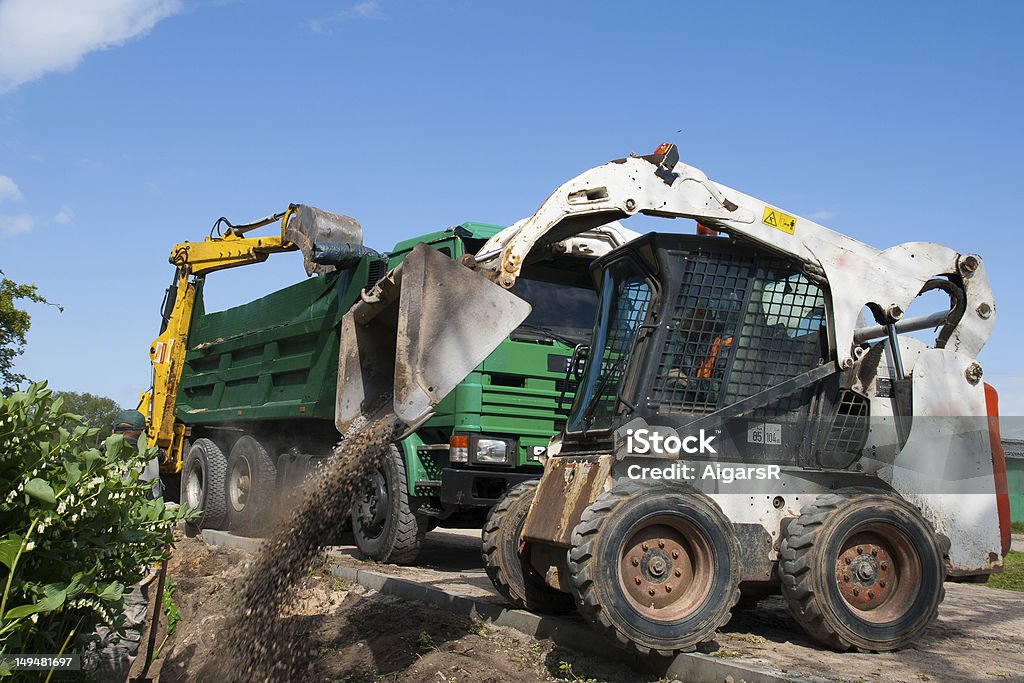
(215, 502)
(411, 528)
(581, 568)
(262, 501)
(795, 569)
(549, 601)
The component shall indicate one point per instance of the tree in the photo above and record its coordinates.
(14, 324)
(95, 411)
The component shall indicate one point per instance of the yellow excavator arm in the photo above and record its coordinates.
(301, 227)
(192, 262)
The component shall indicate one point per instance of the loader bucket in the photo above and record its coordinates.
(421, 330)
(308, 226)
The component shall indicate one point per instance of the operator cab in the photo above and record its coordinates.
(691, 326)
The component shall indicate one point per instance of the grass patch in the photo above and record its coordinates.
(1017, 527)
(1012, 577)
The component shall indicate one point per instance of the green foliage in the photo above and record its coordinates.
(94, 411)
(171, 612)
(564, 672)
(1012, 577)
(14, 324)
(76, 526)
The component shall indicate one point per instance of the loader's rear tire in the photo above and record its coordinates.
(636, 540)
(202, 484)
(385, 527)
(507, 560)
(862, 570)
(251, 484)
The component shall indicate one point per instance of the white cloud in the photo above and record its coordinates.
(368, 9)
(9, 190)
(39, 36)
(64, 216)
(12, 225)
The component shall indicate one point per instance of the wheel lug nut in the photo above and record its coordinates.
(881, 584)
(668, 589)
(675, 554)
(884, 566)
(638, 581)
(645, 547)
(871, 594)
(661, 544)
(846, 577)
(874, 552)
(651, 592)
(848, 560)
(678, 573)
(860, 551)
(636, 562)
(856, 592)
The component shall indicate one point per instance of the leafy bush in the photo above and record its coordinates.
(76, 526)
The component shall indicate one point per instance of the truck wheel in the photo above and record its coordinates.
(251, 481)
(383, 523)
(657, 566)
(506, 560)
(202, 484)
(862, 570)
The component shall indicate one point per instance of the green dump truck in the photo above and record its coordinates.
(258, 386)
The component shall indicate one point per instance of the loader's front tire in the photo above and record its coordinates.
(251, 485)
(385, 527)
(202, 484)
(506, 557)
(862, 570)
(656, 566)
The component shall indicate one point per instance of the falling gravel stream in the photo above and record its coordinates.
(259, 644)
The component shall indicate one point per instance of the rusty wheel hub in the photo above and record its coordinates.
(665, 568)
(876, 571)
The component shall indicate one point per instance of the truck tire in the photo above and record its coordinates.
(505, 557)
(251, 483)
(862, 570)
(202, 484)
(656, 566)
(383, 523)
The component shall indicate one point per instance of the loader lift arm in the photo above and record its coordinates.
(886, 281)
(301, 227)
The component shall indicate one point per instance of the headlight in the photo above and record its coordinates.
(487, 450)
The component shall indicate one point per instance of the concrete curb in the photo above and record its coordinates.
(691, 667)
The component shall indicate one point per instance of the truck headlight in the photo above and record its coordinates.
(489, 450)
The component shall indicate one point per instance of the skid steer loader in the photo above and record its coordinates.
(755, 414)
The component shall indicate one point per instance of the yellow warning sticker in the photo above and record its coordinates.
(778, 220)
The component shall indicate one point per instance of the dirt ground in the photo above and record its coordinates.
(359, 635)
(979, 635)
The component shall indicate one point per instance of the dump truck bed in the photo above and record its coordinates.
(274, 358)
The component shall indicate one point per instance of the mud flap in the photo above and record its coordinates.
(418, 333)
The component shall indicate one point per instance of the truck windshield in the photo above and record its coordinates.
(561, 312)
(624, 299)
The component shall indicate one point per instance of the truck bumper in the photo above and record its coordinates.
(471, 488)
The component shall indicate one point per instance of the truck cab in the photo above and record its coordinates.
(488, 434)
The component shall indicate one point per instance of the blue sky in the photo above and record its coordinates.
(128, 125)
